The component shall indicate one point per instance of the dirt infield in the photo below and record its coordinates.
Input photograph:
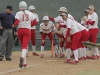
(48, 66)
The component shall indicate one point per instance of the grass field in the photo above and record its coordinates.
(48, 66)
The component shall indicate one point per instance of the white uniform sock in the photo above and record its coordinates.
(92, 51)
(84, 52)
(62, 50)
(68, 52)
(76, 54)
(24, 60)
(79, 52)
(55, 48)
(42, 49)
(24, 51)
(34, 48)
(96, 51)
(87, 50)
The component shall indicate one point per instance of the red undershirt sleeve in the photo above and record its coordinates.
(52, 19)
(90, 22)
(16, 22)
(34, 22)
(63, 26)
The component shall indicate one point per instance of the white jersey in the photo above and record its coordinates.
(93, 17)
(61, 21)
(83, 23)
(47, 29)
(79, 26)
(70, 17)
(37, 19)
(25, 18)
(61, 31)
(70, 24)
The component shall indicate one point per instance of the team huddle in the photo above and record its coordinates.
(70, 33)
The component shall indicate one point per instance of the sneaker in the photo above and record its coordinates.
(24, 65)
(0, 59)
(74, 62)
(98, 56)
(72, 55)
(21, 62)
(8, 59)
(35, 54)
(62, 55)
(80, 58)
(67, 61)
(91, 57)
(94, 57)
(84, 58)
(42, 55)
(56, 55)
(88, 57)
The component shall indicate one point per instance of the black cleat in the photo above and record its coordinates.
(21, 62)
(0, 59)
(8, 59)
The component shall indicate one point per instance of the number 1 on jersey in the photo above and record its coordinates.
(25, 17)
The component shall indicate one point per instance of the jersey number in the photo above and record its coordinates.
(25, 17)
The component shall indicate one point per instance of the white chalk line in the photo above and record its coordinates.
(51, 60)
(13, 70)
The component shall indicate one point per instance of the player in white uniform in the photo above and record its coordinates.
(24, 19)
(83, 23)
(46, 29)
(92, 22)
(59, 18)
(76, 35)
(86, 12)
(84, 37)
(60, 32)
(33, 31)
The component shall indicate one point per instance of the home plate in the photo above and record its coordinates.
(51, 60)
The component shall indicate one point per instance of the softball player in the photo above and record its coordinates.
(84, 37)
(60, 32)
(24, 20)
(46, 29)
(92, 22)
(59, 18)
(76, 35)
(83, 23)
(33, 31)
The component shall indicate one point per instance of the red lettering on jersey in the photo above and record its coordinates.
(25, 17)
(46, 29)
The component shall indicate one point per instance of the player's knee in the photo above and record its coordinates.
(53, 44)
(61, 44)
(34, 43)
(43, 42)
(74, 48)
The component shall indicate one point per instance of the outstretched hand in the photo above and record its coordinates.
(1, 27)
